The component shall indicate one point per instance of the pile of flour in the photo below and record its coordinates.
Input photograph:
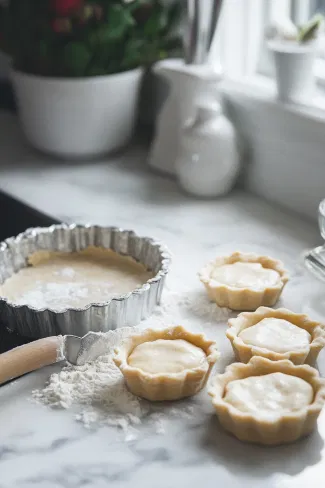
(98, 390)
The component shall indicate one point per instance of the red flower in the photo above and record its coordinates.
(65, 7)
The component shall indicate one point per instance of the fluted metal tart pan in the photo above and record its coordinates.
(121, 311)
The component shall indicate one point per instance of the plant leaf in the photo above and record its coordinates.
(96, 70)
(309, 31)
(126, 35)
(76, 58)
(156, 23)
(172, 44)
(174, 15)
(119, 20)
(133, 53)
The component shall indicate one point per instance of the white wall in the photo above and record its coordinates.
(286, 150)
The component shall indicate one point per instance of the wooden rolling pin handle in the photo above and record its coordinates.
(29, 357)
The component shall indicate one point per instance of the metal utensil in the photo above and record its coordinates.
(81, 350)
(50, 350)
(201, 23)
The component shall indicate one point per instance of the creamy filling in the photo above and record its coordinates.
(269, 396)
(276, 335)
(245, 275)
(60, 280)
(167, 356)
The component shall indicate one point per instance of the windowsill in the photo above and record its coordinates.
(264, 88)
(284, 144)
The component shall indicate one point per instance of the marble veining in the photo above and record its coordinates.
(47, 448)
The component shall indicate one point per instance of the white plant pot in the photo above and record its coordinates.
(78, 117)
(294, 67)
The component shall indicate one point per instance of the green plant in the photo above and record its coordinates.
(76, 38)
(310, 30)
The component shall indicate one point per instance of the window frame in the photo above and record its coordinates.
(238, 38)
(245, 53)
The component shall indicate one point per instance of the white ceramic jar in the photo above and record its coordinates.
(78, 117)
(208, 161)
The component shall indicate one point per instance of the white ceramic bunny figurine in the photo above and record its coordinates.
(184, 82)
(208, 159)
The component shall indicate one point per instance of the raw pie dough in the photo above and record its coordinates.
(166, 364)
(268, 402)
(269, 396)
(277, 335)
(166, 356)
(246, 275)
(244, 281)
(59, 280)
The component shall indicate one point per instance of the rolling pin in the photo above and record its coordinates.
(30, 357)
(50, 350)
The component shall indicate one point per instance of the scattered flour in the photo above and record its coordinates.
(98, 390)
(48, 295)
(66, 272)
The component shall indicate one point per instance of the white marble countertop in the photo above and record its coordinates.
(48, 449)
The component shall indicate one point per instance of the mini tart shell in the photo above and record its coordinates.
(244, 352)
(165, 386)
(248, 427)
(243, 298)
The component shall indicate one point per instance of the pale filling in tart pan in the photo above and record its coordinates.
(166, 364)
(61, 280)
(277, 335)
(245, 275)
(167, 356)
(269, 396)
(244, 281)
(268, 402)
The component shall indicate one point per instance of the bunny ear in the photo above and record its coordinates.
(282, 29)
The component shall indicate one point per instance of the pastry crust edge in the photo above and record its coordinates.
(243, 298)
(165, 386)
(248, 427)
(244, 352)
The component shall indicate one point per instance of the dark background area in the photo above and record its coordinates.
(16, 217)
(7, 100)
